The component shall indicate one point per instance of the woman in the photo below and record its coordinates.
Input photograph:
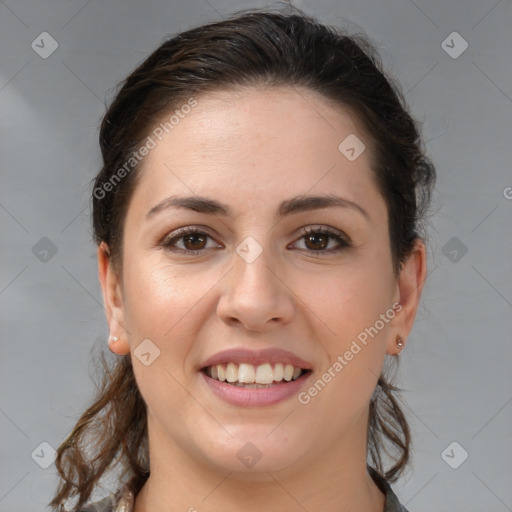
(259, 227)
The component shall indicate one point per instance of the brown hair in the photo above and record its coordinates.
(251, 48)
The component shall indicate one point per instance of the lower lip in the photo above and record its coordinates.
(255, 397)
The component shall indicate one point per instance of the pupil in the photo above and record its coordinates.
(311, 238)
(190, 239)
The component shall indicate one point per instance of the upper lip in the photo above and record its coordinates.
(256, 357)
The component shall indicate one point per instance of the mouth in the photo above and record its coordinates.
(246, 375)
(255, 378)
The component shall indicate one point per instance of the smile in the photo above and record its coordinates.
(254, 378)
(251, 376)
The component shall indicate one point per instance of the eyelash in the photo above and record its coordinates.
(344, 243)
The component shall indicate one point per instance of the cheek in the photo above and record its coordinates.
(354, 350)
(357, 335)
(169, 305)
(159, 306)
(349, 304)
(158, 296)
(349, 298)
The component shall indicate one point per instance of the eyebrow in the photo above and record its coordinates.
(290, 206)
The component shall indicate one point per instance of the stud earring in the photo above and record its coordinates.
(400, 342)
(111, 340)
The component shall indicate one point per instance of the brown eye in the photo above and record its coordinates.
(316, 241)
(194, 242)
(188, 241)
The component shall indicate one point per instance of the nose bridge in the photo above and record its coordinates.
(253, 293)
(252, 262)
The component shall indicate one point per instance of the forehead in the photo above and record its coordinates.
(244, 118)
(263, 143)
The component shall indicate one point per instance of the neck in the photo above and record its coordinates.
(334, 481)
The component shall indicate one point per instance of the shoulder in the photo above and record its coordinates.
(121, 501)
(392, 504)
(104, 505)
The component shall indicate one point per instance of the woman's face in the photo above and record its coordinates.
(264, 283)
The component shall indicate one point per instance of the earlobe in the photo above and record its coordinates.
(112, 299)
(409, 287)
(399, 344)
(117, 346)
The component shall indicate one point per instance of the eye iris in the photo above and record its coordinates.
(193, 238)
(314, 239)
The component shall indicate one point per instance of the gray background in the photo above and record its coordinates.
(456, 368)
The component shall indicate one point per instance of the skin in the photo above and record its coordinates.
(252, 150)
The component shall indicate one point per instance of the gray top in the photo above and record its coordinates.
(123, 500)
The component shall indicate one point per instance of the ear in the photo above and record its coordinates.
(113, 300)
(409, 287)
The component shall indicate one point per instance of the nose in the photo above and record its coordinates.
(255, 295)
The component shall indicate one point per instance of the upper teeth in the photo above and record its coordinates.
(248, 373)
